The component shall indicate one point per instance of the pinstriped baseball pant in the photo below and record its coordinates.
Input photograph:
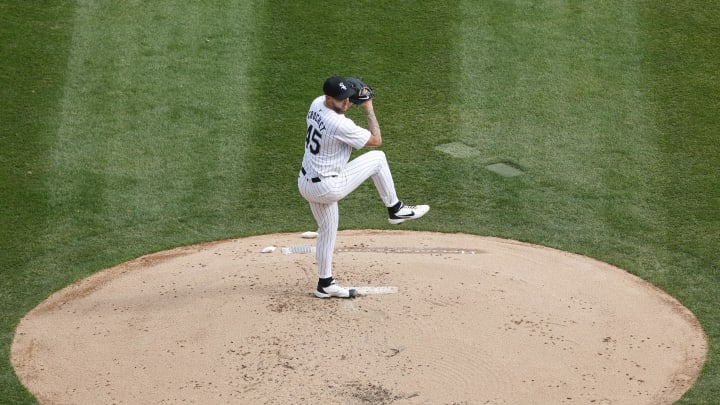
(324, 195)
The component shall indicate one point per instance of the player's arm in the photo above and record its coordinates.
(373, 126)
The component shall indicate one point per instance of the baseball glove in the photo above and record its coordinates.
(363, 92)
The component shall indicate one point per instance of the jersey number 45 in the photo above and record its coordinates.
(312, 140)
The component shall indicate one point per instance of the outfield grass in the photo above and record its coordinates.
(132, 127)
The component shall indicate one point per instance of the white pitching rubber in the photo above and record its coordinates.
(298, 249)
(369, 290)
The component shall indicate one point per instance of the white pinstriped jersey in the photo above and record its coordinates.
(329, 140)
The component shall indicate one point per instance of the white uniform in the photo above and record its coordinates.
(327, 176)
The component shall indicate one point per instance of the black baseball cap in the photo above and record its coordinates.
(338, 87)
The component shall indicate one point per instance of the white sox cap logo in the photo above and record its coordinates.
(342, 86)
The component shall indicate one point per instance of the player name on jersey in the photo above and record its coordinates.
(315, 116)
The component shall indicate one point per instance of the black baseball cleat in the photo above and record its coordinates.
(406, 212)
(334, 290)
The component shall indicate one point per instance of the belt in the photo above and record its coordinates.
(314, 179)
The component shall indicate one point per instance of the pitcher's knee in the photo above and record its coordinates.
(378, 156)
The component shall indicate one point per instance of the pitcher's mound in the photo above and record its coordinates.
(446, 318)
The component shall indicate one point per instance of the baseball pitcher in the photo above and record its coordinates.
(327, 175)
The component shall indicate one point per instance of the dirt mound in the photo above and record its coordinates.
(446, 318)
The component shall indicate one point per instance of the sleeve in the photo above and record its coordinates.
(352, 134)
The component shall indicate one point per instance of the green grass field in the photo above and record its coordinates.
(132, 127)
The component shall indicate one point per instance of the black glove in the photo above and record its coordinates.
(363, 92)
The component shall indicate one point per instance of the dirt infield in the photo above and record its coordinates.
(459, 319)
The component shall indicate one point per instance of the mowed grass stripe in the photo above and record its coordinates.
(152, 143)
(33, 54)
(682, 57)
(553, 88)
(404, 52)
